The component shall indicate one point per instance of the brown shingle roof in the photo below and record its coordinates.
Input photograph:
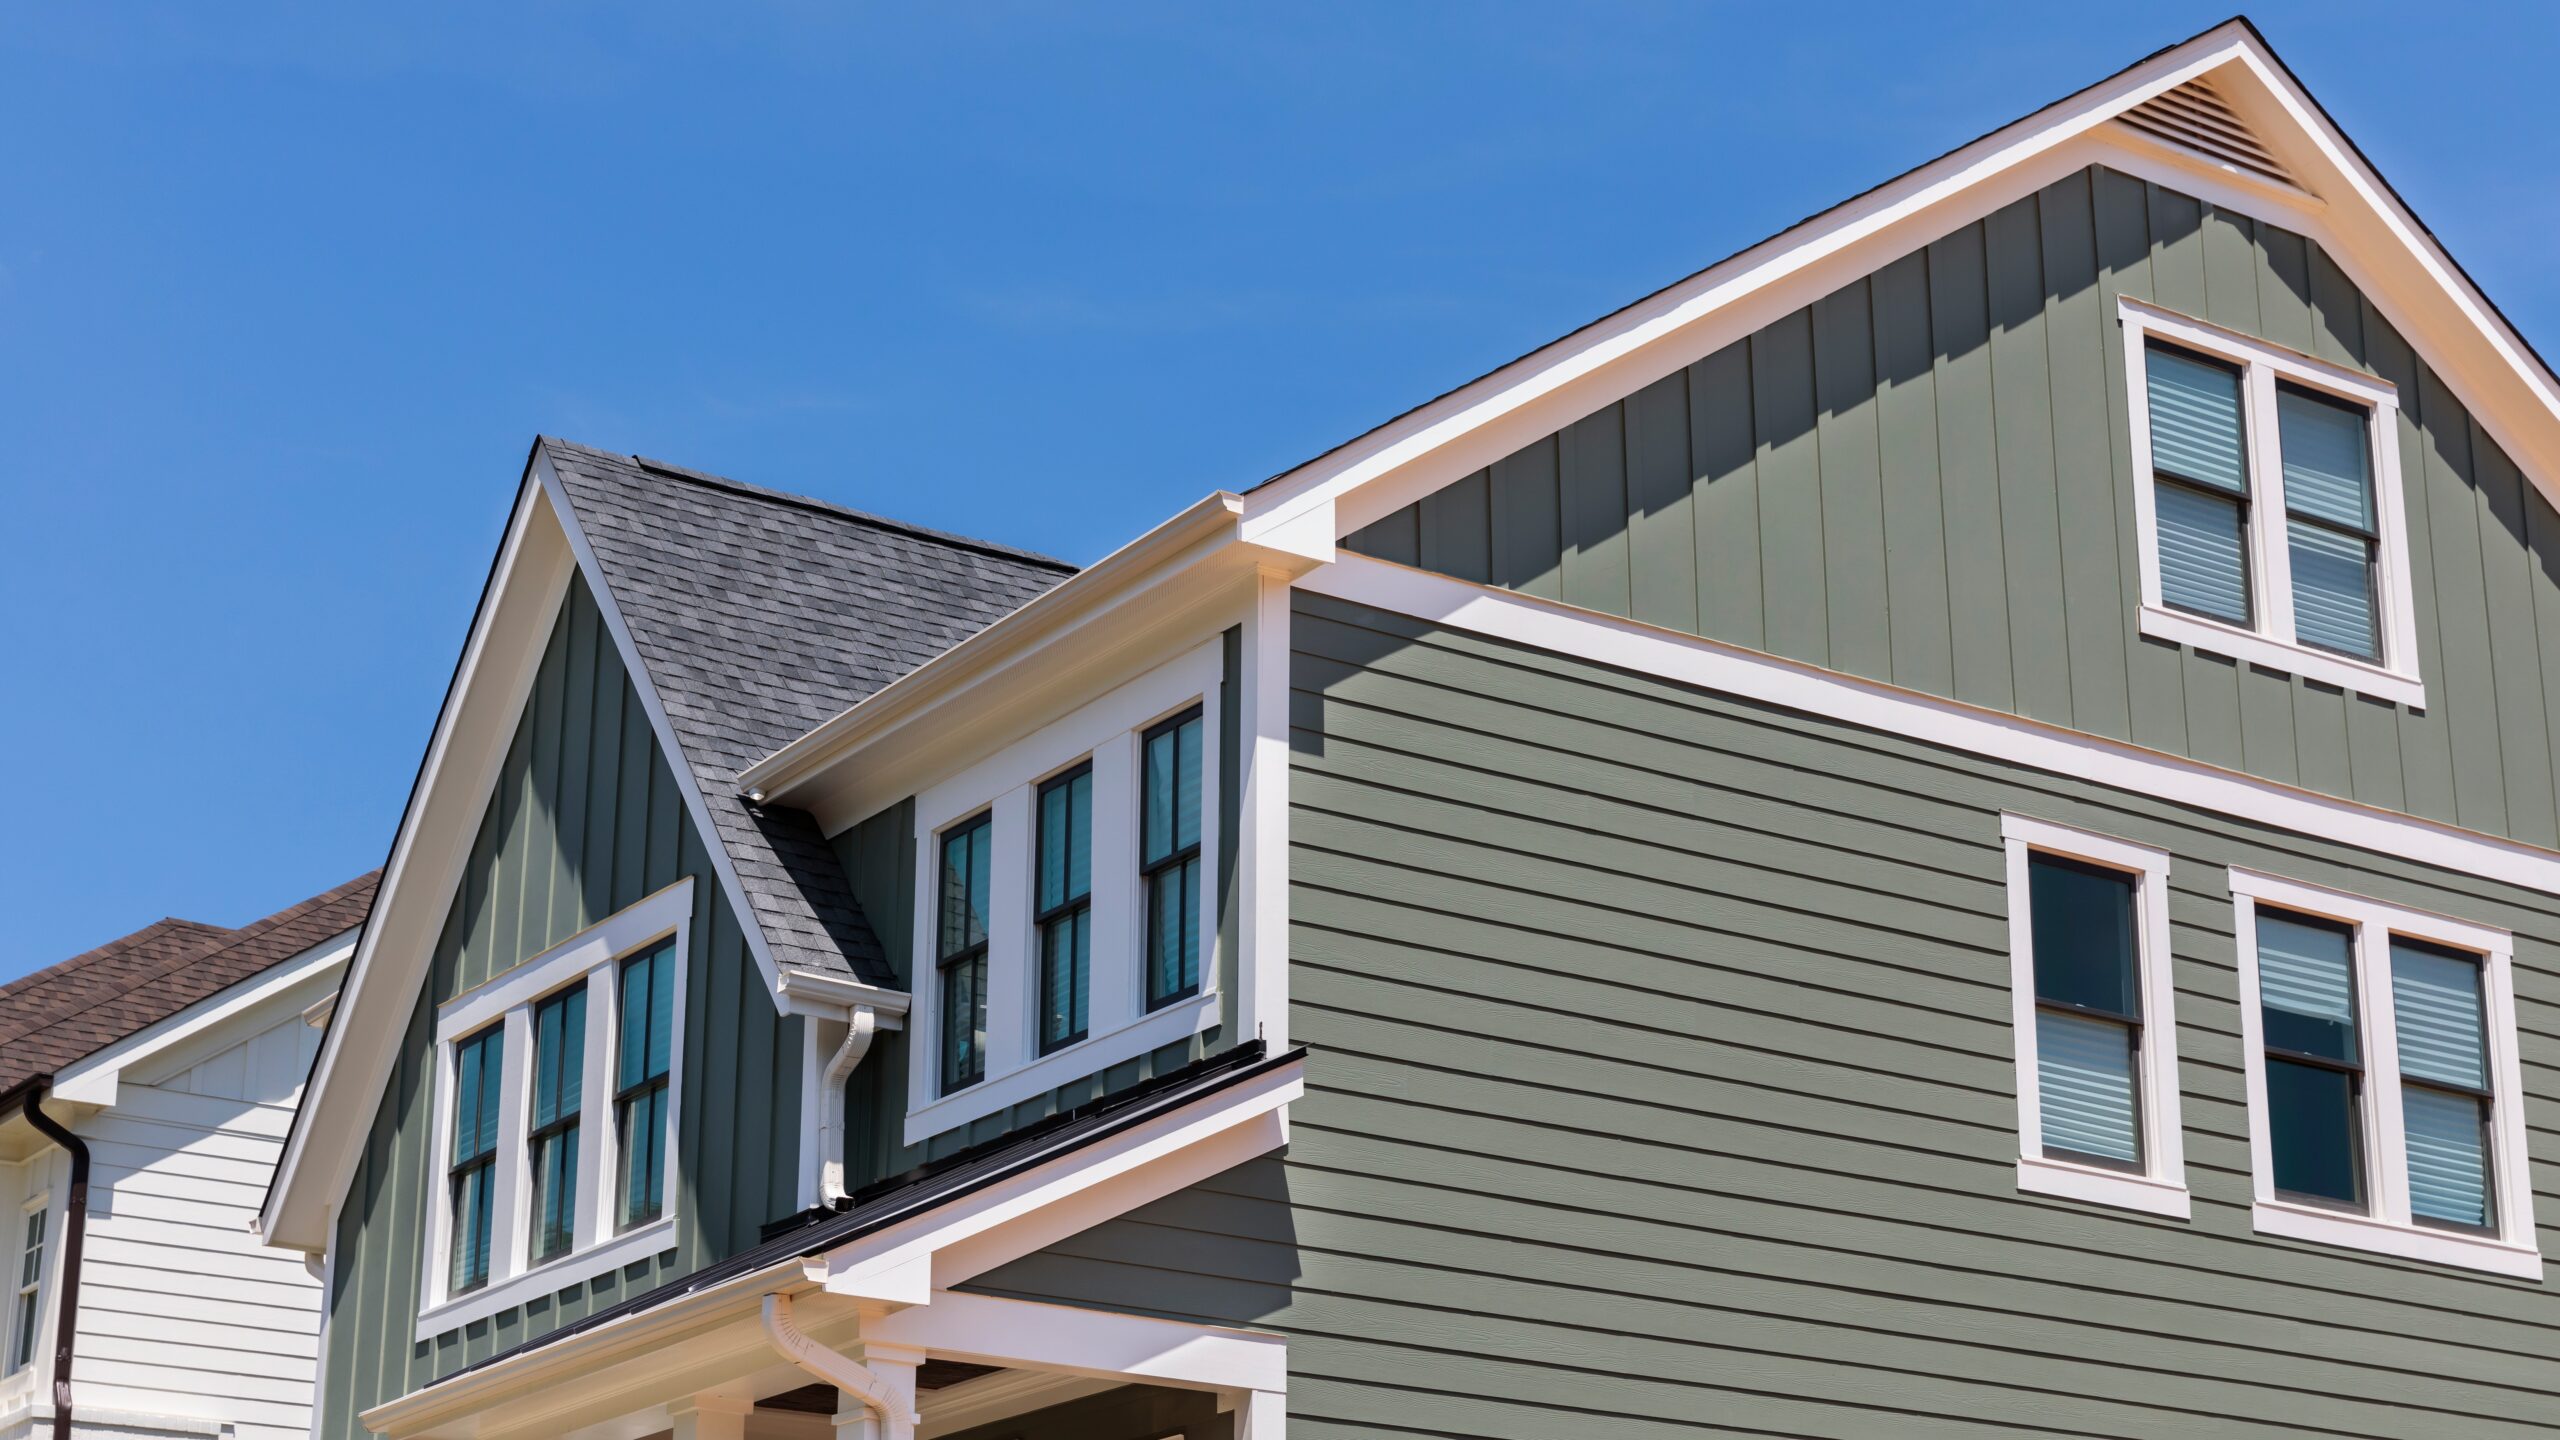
(61, 1014)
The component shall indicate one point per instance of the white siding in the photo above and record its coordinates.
(182, 1311)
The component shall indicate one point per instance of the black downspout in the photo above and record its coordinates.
(75, 1229)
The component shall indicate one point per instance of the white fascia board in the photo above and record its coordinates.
(94, 1079)
(468, 746)
(1098, 1344)
(2352, 215)
(2014, 739)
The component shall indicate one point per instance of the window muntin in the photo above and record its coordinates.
(1062, 905)
(645, 1060)
(2314, 1062)
(2088, 1011)
(559, 1078)
(2093, 1017)
(2385, 1092)
(479, 1067)
(2269, 520)
(961, 930)
(1169, 856)
(27, 1311)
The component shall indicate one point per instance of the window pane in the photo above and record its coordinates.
(1186, 784)
(2195, 421)
(2332, 589)
(964, 1022)
(1063, 977)
(2306, 986)
(2437, 1014)
(643, 1123)
(473, 1196)
(1173, 932)
(555, 1193)
(2083, 924)
(2326, 469)
(1156, 803)
(2448, 1155)
(559, 1055)
(23, 1348)
(2085, 1076)
(2313, 1131)
(2203, 558)
(662, 1008)
(965, 856)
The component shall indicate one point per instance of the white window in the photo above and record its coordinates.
(2385, 1103)
(555, 1116)
(26, 1302)
(2095, 1016)
(2267, 506)
(1065, 911)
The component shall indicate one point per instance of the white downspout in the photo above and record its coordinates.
(863, 1023)
(896, 1410)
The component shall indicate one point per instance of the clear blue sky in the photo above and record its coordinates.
(286, 291)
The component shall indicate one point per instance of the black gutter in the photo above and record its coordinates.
(75, 1231)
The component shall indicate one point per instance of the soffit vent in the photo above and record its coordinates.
(2195, 117)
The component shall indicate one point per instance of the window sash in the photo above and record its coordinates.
(1062, 900)
(29, 1308)
(1169, 853)
(961, 939)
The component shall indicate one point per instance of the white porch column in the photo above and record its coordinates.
(896, 1367)
(1260, 1414)
(711, 1417)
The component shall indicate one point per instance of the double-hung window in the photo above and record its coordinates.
(2094, 1018)
(2383, 1083)
(640, 1083)
(559, 1072)
(1169, 857)
(479, 1065)
(27, 1305)
(960, 943)
(1066, 915)
(557, 1087)
(1063, 908)
(2268, 506)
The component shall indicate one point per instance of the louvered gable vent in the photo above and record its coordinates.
(2195, 117)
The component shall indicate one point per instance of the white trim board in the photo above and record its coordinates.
(95, 1079)
(1715, 665)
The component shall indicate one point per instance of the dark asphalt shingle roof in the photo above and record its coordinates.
(62, 1014)
(760, 615)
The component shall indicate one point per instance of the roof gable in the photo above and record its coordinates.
(2253, 140)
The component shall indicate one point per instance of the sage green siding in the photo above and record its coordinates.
(584, 820)
(879, 858)
(1660, 1081)
(1926, 477)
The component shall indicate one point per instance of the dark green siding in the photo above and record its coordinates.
(878, 856)
(585, 820)
(1926, 477)
(1661, 1078)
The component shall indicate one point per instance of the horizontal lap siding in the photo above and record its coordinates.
(584, 821)
(1926, 477)
(1661, 1076)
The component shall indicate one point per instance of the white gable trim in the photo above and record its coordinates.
(95, 1079)
(2346, 208)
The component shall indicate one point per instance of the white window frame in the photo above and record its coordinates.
(2387, 1228)
(2272, 644)
(2160, 1188)
(1119, 1027)
(40, 1203)
(592, 957)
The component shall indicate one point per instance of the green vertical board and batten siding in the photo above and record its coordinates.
(585, 819)
(1926, 478)
(1661, 1080)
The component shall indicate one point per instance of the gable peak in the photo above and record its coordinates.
(2196, 118)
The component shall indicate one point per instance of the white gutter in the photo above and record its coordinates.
(893, 1403)
(832, 1136)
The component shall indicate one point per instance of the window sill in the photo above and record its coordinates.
(1177, 1021)
(2099, 1186)
(2161, 623)
(2409, 1242)
(549, 1277)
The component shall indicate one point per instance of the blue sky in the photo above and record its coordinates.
(286, 291)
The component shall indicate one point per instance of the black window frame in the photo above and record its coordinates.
(567, 1122)
(2243, 503)
(459, 1168)
(973, 955)
(1173, 861)
(625, 1097)
(1066, 909)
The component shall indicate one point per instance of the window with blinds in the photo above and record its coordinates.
(2268, 513)
(2382, 1078)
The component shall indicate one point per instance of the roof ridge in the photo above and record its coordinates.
(753, 491)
